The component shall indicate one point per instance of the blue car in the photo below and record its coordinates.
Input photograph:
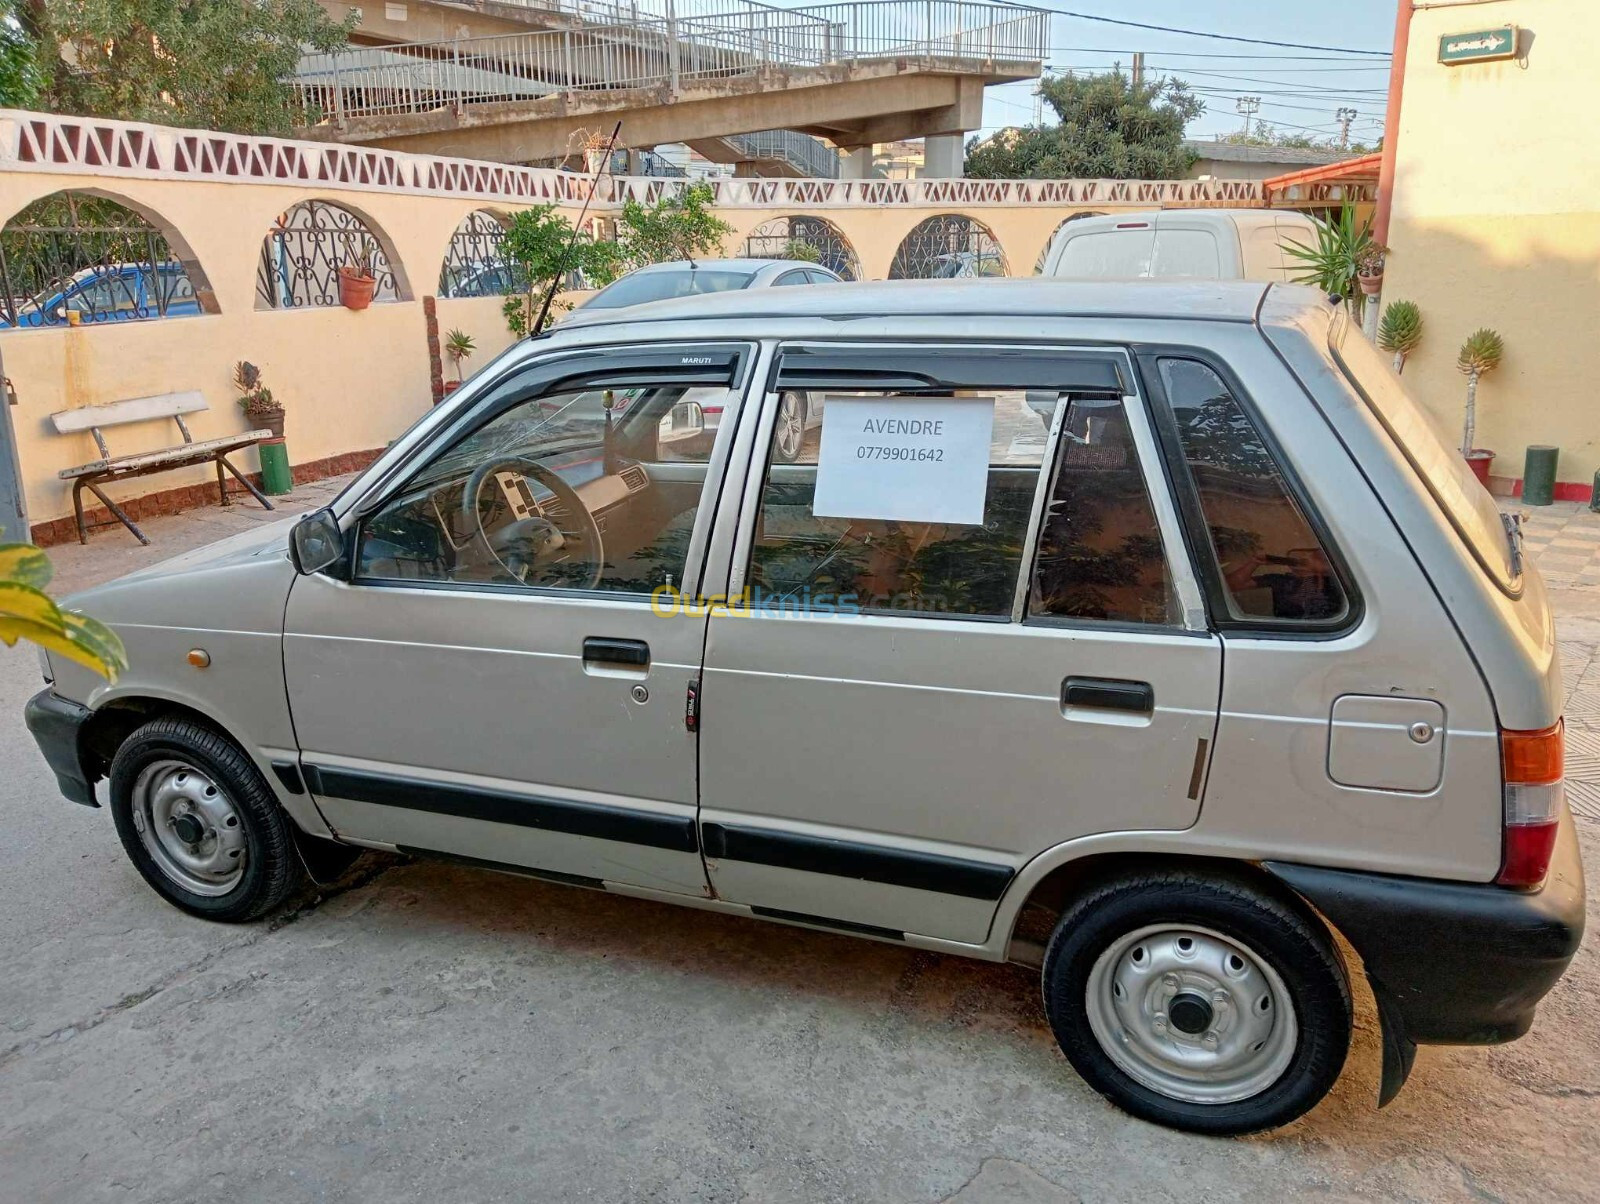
(117, 292)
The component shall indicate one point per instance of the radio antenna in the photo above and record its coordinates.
(566, 253)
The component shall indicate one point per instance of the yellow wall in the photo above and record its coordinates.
(349, 381)
(1497, 223)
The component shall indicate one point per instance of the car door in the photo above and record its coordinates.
(966, 631)
(490, 679)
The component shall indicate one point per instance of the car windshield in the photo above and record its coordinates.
(661, 286)
(1467, 504)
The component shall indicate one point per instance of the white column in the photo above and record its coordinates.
(944, 157)
(856, 164)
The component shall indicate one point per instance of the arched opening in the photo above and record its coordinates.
(80, 258)
(1044, 253)
(308, 244)
(476, 264)
(948, 247)
(814, 239)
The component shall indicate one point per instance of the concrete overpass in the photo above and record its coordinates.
(853, 74)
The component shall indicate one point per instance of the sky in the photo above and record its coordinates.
(1300, 89)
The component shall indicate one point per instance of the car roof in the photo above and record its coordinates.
(716, 265)
(1041, 296)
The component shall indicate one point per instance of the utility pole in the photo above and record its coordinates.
(1249, 106)
(1138, 69)
(1344, 117)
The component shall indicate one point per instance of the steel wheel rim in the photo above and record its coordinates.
(791, 425)
(190, 828)
(1192, 1014)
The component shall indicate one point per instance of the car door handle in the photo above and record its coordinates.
(1108, 694)
(604, 650)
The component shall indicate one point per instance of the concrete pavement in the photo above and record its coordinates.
(427, 1032)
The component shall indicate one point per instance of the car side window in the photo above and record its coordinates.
(1271, 564)
(864, 562)
(790, 278)
(1100, 554)
(560, 491)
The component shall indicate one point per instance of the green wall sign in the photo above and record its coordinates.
(1479, 45)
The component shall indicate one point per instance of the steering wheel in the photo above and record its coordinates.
(531, 543)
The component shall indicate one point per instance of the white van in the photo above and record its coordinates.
(1197, 244)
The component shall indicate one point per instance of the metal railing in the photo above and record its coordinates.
(812, 157)
(660, 43)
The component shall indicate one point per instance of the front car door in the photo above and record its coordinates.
(490, 680)
(937, 675)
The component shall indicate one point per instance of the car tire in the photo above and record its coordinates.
(1199, 1002)
(200, 824)
(789, 438)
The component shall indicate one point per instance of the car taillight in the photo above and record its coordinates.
(1535, 793)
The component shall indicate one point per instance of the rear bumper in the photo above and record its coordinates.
(56, 724)
(1454, 963)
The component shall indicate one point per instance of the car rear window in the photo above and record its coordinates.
(663, 286)
(1467, 504)
(1108, 254)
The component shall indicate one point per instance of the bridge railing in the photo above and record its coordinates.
(813, 158)
(631, 46)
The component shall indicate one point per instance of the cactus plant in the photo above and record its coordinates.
(1400, 330)
(1482, 352)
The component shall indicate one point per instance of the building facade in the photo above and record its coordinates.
(1496, 223)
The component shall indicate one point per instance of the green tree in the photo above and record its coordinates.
(680, 226)
(540, 247)
(20, 75)
(212, 64)
(1262, 134)
(1108, 127)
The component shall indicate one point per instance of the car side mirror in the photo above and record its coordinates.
(316, 544)
(687, 420)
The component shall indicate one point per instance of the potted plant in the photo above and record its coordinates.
(356, 279)
(458, 345)
(1482, 352)
(1370, 259)
(256, 400)
(1333, 264)
(1399, 331)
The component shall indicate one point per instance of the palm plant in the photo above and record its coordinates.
(458, 345)
(1482, 352)
(1334, 263)
(1400, 330)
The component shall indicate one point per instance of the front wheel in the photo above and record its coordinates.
(200, 824)
(1198, 1002)
(791, 432)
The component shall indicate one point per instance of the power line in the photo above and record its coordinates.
(1221, 37)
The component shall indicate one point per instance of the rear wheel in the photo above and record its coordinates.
(199, 824)
(1198, 1002)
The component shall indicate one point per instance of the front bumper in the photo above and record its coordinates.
(56, 724)
(1452, 963)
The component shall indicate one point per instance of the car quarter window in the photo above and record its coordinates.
(1100, 554)
(589, 489)
(1271, 567)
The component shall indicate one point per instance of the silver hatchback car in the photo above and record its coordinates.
(1143, 633)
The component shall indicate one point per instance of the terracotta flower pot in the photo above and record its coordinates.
(271, 420)
(450, 386)
(355, 290)
(1371, 286)
(1479, 459)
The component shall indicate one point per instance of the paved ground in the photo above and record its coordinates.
(432, 1033)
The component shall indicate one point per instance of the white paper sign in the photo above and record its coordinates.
(914, 459)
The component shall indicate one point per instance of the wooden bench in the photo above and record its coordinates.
(116, 468)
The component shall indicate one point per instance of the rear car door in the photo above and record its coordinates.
(948, 652)
(491, 681)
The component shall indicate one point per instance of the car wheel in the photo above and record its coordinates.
(1198, 1002)
(791, 433)
(200, 824)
